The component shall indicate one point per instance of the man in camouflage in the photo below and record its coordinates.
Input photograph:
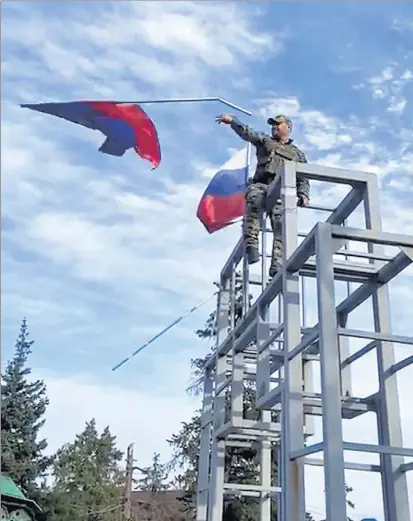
(272, 150)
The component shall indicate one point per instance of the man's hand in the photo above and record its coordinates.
(303, 200)
(224, 118)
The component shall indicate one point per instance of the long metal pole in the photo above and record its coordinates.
(178, 100)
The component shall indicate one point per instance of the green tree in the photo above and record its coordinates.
(23, 407)
(87, 479)
(154, 477)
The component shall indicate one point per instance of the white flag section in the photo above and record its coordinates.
(224, 198)
(238, 161)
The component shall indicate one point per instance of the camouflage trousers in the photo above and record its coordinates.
(256, 198)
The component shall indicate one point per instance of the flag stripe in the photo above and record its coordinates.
(142, 135)
(227, 182)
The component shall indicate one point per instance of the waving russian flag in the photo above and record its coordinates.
(224, 198)
(125, 125)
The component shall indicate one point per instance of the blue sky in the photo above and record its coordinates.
(100, 253)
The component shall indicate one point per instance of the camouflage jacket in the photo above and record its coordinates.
(270, 154)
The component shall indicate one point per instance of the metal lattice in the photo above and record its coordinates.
(286, 350)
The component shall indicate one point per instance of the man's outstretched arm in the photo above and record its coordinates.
(243, 131)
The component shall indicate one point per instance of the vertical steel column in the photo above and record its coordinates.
(215, 502)
(308, 366)
(263, 252)
(245, 266)
(394, 482)
(203, 464)
(293, 508)
(237, 389)
(265, 473)
(263, 382)
(344, 343)
(237, 377)
(336, 507)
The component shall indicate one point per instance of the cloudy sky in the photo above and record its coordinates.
(100, 253)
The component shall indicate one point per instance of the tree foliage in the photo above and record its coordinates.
(87, 479)
(23, 407)
(154, 478)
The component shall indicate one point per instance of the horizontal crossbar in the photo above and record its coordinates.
(358, 447)
(349, 465)
(378, 337)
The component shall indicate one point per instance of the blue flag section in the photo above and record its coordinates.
(224, 198)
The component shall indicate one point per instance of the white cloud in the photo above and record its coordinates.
(396, 105)
(390, 86)
(319, 130)
(144, 418)
(126, 37)
(385, 76)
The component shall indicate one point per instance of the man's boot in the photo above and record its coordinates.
(274, 269)
(253, 254)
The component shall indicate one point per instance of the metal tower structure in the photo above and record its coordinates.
(280, 357)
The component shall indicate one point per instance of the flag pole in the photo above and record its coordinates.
(166, 329)
(179, 100)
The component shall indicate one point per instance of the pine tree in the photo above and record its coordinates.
(23, 407)
(88, 482)
(154, 477)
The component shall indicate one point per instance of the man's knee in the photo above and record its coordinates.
(255, 197)
(251, 226)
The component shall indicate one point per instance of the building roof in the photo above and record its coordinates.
(9, 488)
(162, 506)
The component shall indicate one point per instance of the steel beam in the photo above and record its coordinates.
(336, 506)
(368, 289)
(373, 236)
(378, 337)
(293, 487)
(394, 483)
(233, 261)
(400, 365)
(215, 499)
(205, 442)
(334, 175)
(379, 449)
(306, 451)
(346, 207)
(355, 356)
(349, 465)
